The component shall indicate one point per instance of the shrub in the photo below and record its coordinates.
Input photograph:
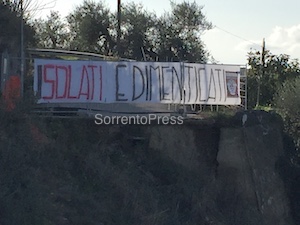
(288, 105)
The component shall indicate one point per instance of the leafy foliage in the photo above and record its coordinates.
(52, 32)
(92, 27)
(138, 31)
(185, 24)
(74, 172)
(288, 104)
(267, 79)
(10, 27)
(276, 83)
(179, 34)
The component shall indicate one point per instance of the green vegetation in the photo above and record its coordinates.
(275, 86)
(287, 102)
(53, 171)
(264, 81)
(92, 27)
(10, 28)
(74, 172)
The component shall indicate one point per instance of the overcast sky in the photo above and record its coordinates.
(240, 25)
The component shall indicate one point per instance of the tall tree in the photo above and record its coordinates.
(10, 27)
(10, 35)
(52, 32)
(11, 20)
(175, 36)
(138, 26)
(90, 25)
(180, 33)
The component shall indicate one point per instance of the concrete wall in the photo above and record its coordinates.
(237, 166)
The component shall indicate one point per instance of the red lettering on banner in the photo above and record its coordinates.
(57, 81)
(93, 80)
(64, 84)
(83, 75)
(69, 96)
(46, 80)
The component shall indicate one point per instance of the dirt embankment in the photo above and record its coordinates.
(201, 172)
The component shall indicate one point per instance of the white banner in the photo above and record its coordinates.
(61, 81)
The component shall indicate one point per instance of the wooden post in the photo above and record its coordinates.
(119, 28)
(22, 49)
(261, 71)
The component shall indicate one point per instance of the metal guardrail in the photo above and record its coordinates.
(50, 110)
(65, 53)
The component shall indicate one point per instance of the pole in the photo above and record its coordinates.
(22, 49)
(119, 28)
(246, 88)
(261, 72)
